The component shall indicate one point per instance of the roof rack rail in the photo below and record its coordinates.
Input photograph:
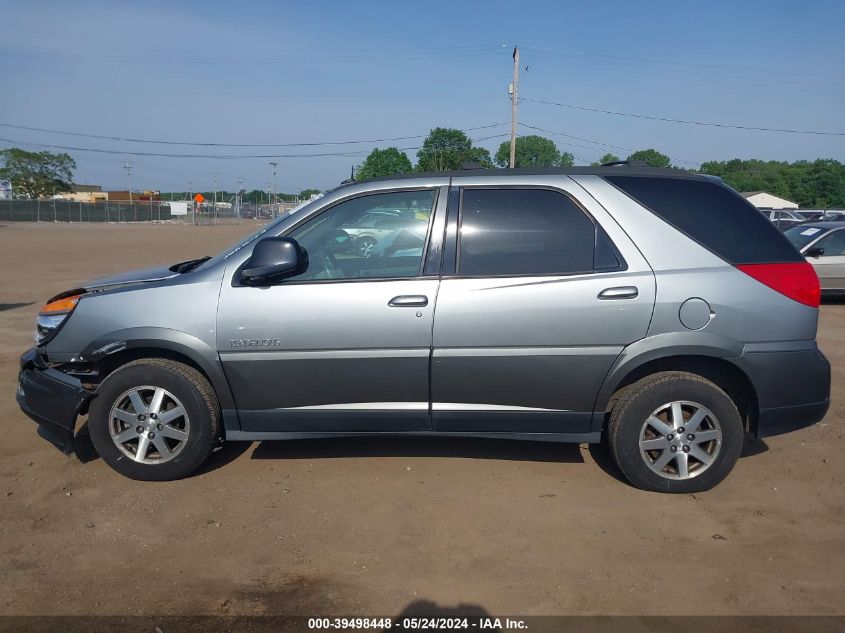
(627, 163)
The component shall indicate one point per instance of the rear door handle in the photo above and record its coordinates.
(408, 301)
(620, 292)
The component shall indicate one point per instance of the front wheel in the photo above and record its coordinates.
(154, 420)
(675, 432)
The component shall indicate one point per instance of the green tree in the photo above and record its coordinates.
(444, 148)
(652, 157)
(383, 162)
(530, 151)
(37, 174)
(307, 193)
(256, 196)
(566, 159)
(607, 158)
(818, 184)
(481, 156)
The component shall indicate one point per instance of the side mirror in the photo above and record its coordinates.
(816, 251)
(274, 258)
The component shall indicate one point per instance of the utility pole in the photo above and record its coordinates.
(275, 205)
(215, 197)
(191, 202)
(240, 195)
(514, 90)
(128, 167)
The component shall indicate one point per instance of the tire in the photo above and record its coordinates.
(178, 432)
(642, 434)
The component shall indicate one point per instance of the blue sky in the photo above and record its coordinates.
(300, 72)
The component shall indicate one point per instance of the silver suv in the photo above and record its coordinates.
(654, 309)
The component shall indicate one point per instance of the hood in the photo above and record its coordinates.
(132, 277)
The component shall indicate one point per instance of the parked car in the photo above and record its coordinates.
(655, 309)
(810, 215)
(378, 230)
(821, 215)
(784, 219)
(823, 244)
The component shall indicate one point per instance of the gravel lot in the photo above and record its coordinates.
(370, 526)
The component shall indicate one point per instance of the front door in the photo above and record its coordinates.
(539, 304)
(344, 346)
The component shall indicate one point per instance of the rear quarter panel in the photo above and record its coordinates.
(743, 310)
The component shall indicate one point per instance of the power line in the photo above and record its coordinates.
(166, 155)
(627, 60)
(162, 142)
(578, 138)
(294, 57)
(587, 140)
(688, 122)
(211, 156)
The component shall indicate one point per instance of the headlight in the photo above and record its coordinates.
(52, 315)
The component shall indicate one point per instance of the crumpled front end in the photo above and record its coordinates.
(52, 398)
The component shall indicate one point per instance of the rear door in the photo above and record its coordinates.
(541, 290)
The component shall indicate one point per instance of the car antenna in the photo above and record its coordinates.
(351, 178)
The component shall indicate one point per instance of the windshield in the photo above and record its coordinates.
(802, 235)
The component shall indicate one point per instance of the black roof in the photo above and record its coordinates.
(622, 170)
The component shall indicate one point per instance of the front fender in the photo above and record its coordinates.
(153, 338)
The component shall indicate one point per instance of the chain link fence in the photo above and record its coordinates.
(124, 211)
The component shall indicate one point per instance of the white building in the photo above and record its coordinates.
(763, 200)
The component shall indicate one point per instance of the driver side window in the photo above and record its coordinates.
(373, 236)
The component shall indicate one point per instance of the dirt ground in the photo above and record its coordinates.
(370, 526)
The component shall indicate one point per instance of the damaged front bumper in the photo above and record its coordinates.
(52, 398)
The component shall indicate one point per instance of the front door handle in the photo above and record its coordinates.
(620, 292)
(408, 301)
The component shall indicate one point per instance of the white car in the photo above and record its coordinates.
(823, 245)
(375, 232)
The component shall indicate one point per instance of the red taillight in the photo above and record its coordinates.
(797, 281)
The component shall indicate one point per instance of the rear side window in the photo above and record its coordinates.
(523, 232)
(714, 216)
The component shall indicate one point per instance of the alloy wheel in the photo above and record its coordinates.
(680, 440)
(149, 424)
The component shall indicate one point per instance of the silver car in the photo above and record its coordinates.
(654, 309)
(823, 244)
(377, 231)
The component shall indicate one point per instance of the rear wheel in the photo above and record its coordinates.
(154, 419)
(675, 432)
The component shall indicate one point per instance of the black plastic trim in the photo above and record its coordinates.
(450, 239)
(781, 420)
(563, 438)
